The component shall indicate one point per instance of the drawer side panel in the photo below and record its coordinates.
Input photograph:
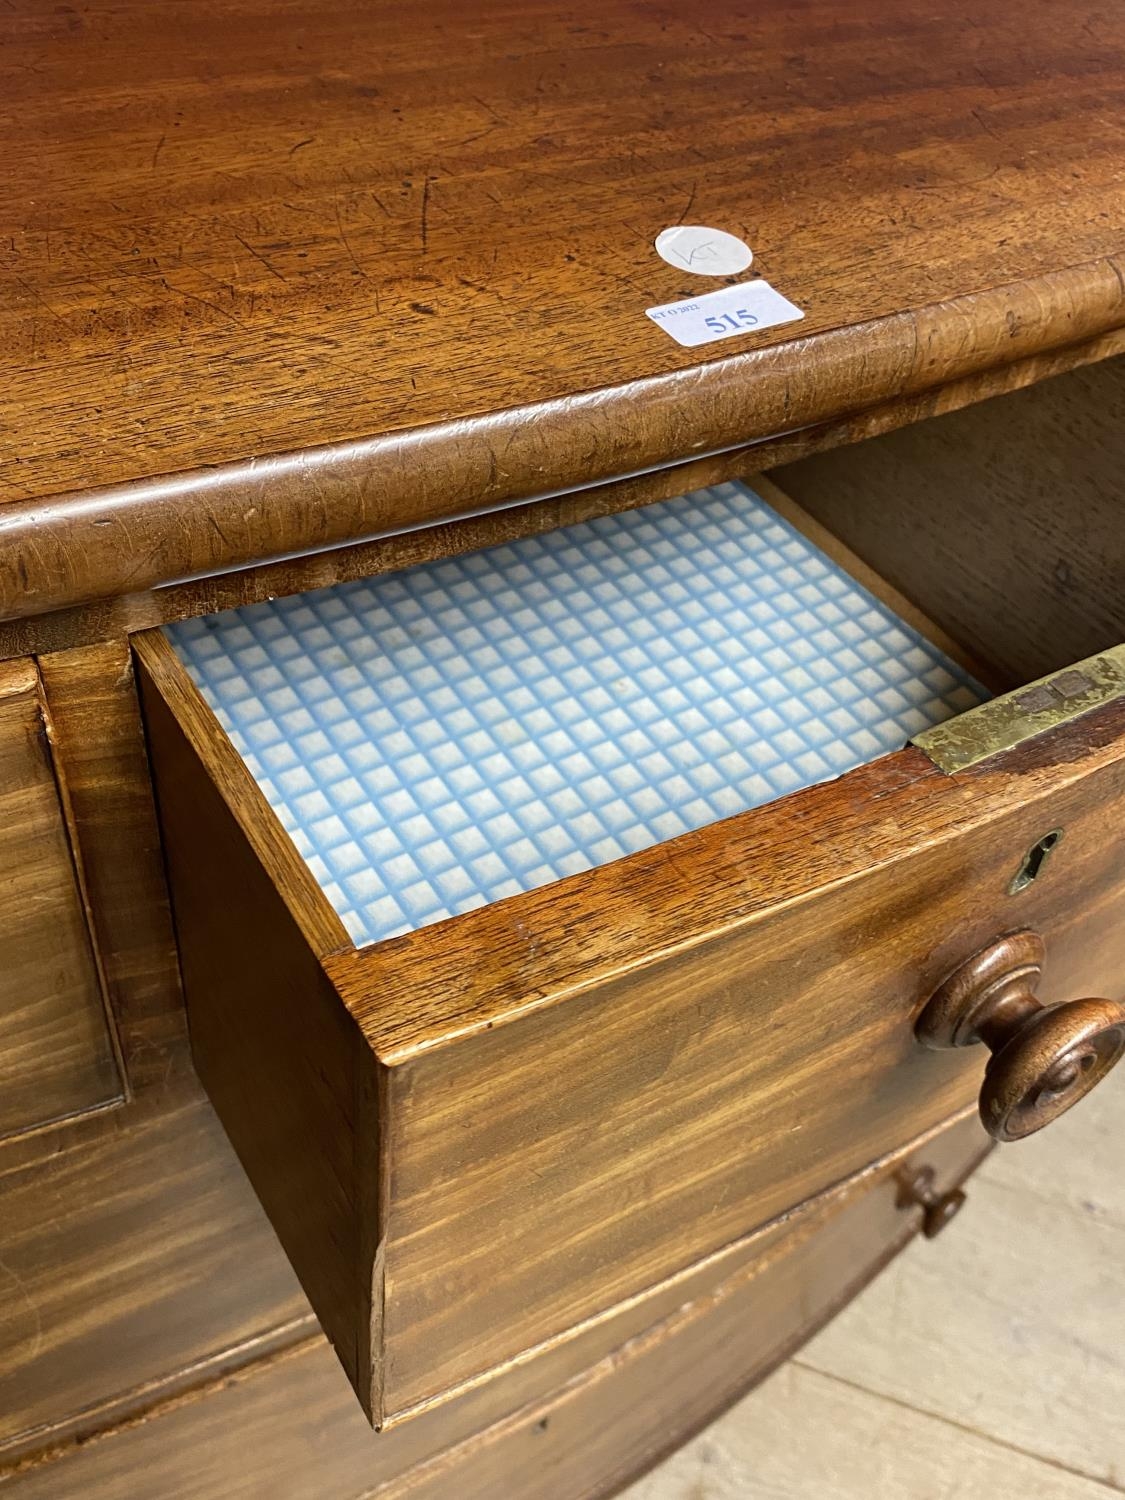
(282, 1061)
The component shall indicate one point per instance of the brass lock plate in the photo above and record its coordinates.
(1005, 722)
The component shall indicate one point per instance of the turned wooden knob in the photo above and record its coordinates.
(1044, 1057)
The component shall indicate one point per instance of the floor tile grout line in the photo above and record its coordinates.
(988, 1437)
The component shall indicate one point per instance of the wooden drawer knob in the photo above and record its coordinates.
(917, 1188)
(1044, 1058)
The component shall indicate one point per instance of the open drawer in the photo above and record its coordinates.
(660, 973)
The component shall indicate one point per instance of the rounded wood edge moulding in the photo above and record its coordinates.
(96, 544)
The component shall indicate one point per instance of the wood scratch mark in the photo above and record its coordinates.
(259, 256)
(488, 109)
(195, 297)
(983, 123)
(425, 213)
(345, 241)
(218, 530)
(480, 135)
(158, 150)
(308, 140)
(26, 1298)
(38, 297)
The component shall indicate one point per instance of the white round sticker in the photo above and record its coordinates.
(707, 252)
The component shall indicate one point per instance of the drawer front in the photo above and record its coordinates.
(57, 1057)
(478, 1138)
(291, 1427)
(555, 1164)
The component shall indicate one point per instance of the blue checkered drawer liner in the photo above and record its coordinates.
(440, 738)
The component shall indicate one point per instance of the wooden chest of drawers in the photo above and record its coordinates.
(305, 303)
(478, 1137)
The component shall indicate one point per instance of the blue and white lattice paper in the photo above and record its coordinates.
(440, 738)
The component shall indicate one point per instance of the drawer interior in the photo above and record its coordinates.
(467, 730)
(1001, 520)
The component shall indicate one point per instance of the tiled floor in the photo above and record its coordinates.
(987, 1365)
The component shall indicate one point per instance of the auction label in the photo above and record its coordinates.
(724, 314)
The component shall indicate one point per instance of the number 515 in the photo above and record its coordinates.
(724, 322)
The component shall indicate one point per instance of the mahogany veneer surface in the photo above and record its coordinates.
(576, 1422)
(58, 1057)
(278, 278)
(244, 229)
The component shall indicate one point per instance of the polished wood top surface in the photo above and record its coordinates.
(416, 239)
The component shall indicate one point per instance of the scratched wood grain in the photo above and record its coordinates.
(277, 233)
(233, 234)
(101, 762)
(576, 1422)
(58, 1057)
(133, 1264)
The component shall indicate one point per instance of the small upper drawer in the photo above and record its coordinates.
(516, 979)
